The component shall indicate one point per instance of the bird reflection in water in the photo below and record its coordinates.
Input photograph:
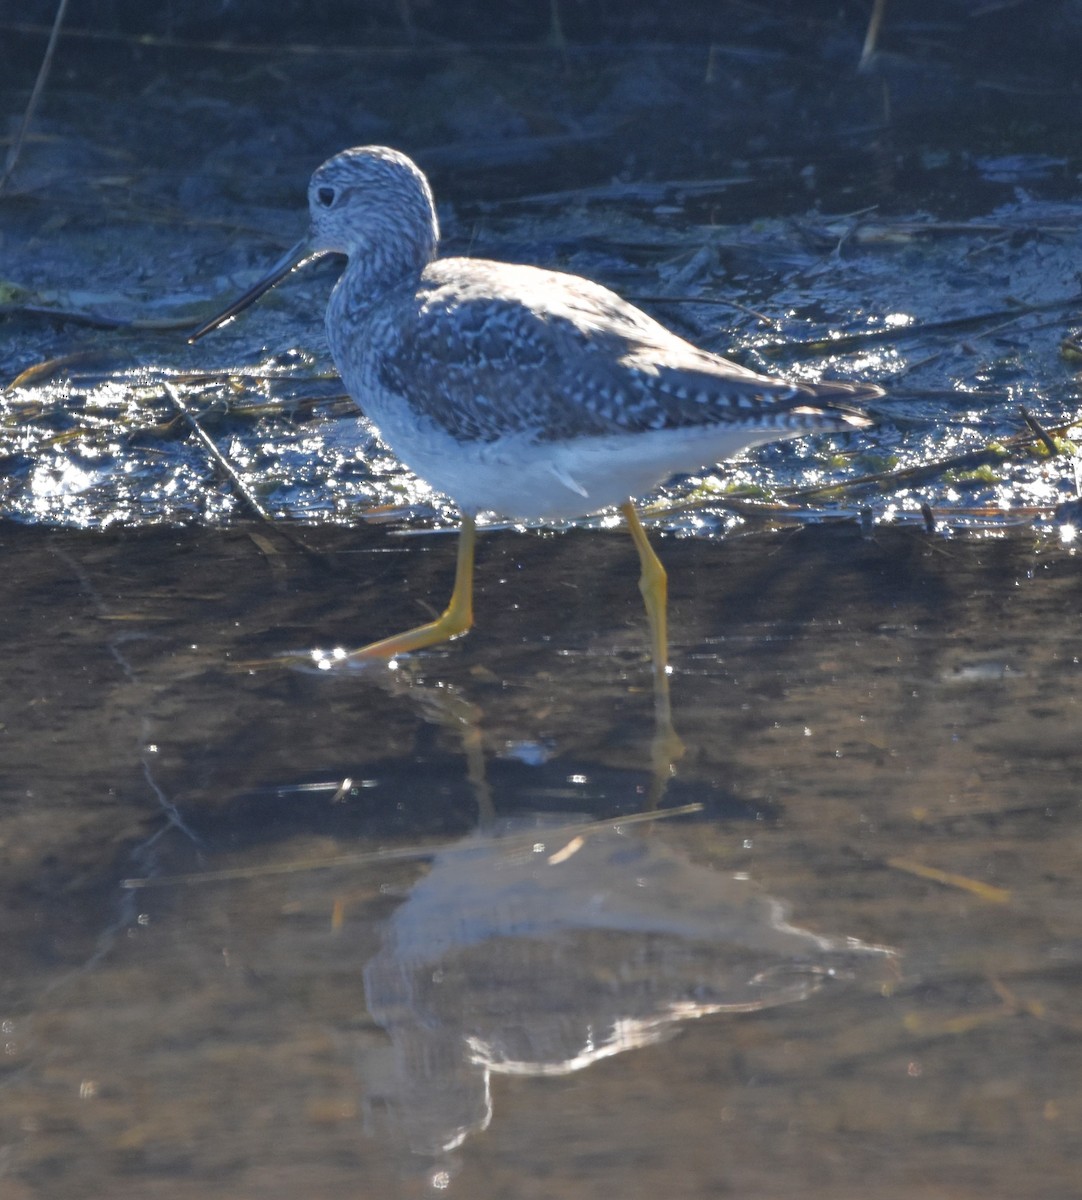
(535, 947)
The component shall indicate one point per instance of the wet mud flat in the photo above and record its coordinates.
(915, 224)
(882, 732)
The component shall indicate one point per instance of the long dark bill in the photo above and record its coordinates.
(295, 257)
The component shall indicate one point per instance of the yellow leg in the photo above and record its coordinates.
(654, 585)
(455, 620)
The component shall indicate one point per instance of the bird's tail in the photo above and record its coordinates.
(841, 400)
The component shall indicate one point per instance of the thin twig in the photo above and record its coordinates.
(871, 38)
(967, 459)
(506, 845)
(1038, 429)
(96, 320)
(208, 444)
(865, 337)
(35, 95)
(642, 298)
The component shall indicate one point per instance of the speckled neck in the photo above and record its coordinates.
(398, 250)
(374, 205)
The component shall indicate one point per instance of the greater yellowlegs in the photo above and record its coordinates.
(529, 393)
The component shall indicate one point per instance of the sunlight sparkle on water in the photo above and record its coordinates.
(63, 480)
(326, 659)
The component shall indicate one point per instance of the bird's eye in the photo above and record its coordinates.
(326, 196)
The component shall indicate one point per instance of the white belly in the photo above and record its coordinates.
(523, 479)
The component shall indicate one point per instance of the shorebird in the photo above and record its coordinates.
(529, 393)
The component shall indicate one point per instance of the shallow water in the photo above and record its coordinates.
(402, 931)
(854, 710)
